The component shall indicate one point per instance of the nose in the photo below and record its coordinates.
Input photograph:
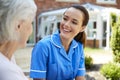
(67, 23)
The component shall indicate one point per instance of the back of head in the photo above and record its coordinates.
(11, 12)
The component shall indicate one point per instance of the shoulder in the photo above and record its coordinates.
(44, 41)
(80, 44)
(49, 41)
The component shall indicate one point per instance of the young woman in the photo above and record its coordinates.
(16, 18)
(61, 56)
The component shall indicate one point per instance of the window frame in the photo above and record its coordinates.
(91, 29)
(106, 2)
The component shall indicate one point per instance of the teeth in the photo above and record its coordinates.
(66, 30)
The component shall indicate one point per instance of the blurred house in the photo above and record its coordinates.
(98, 30)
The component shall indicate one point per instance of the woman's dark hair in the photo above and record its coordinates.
(81, 36)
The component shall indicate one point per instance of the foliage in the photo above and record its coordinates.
(115, 38)
(88, 62)
(111, 71)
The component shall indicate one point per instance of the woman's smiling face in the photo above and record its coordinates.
(71, 23)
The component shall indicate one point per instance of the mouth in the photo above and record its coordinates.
(66, 30)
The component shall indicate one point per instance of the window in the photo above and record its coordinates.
(67, 0)
(107, 1)
(91, 30)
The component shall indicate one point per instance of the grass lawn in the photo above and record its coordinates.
(89, 50)
(99, 56)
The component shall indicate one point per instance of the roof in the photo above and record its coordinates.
(54, 12)
(93, 7)
(90, 7)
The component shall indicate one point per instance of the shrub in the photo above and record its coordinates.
(88, 62)
(111, 71)
(115, 38)
(116, 56)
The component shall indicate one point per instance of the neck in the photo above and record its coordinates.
(66, 43)
(8, 48)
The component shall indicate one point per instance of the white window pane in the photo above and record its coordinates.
(106, 1)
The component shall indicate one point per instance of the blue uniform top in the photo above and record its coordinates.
(50, 60)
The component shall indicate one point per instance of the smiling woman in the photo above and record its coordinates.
(62, 52)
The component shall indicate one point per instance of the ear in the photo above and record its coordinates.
(82, 28)
(18, 25)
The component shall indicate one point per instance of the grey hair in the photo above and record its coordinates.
(11, 12)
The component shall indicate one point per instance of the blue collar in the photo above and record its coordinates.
(55, 39)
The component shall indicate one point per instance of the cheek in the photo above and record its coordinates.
(61, 25)
(31, 29)
(77, 29)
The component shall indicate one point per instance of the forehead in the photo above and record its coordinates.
(74, 13)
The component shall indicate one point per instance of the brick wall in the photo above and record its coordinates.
(92, 43)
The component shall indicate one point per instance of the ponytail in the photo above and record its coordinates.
(81, 37)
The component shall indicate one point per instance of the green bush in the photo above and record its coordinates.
(88, 62)
(111, 71)
(115, 38)
(116, 56)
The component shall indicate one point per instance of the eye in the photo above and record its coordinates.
(64, 18)
(74, 22)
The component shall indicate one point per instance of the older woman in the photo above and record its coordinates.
(16, 18)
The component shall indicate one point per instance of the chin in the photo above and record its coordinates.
(64, 36)
(22, 45)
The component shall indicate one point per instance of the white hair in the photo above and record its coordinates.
(11, 12)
